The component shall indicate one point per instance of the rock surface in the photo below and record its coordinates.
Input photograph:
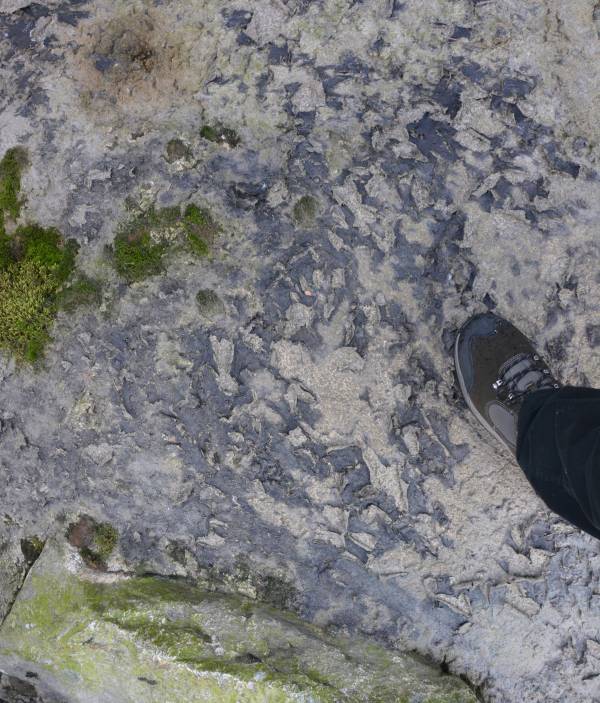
(304, 441)
(78, 635)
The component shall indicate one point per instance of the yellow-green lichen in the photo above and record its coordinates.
(157, 639)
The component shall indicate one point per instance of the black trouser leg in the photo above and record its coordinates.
(558, 448)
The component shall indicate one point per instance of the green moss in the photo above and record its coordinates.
(176, 150)
(6, 248)
(82, 291)
(198, 246)
(47, 248)
(209, 133)
(165, 217)
(197, 216)
(200, 229)
(11, 167)
(141, 244)
(96, 541)
(105, 539)
(185, 642)
(100, 545)
(137, 256)
(221, 135)
(37, 263)
(305, 211)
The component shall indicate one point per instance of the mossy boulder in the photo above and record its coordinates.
(81, 635)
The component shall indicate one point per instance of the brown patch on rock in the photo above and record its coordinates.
(138, 61)
(80, 534)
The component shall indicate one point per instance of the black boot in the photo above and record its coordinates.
(497, 367)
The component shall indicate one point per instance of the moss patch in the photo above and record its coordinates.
(96, 541)
(200, 228)
(137, 256)
(81, 291)
(177, 150)
(305, 211)
(34, 265)
(141, 244)
(105, 538)
(11, 167)
(220, 135)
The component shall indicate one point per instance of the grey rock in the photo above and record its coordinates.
(307, 442)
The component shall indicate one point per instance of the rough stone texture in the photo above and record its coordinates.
(310, 433)
(79, 635)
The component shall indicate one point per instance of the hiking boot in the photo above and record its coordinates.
(497, 367)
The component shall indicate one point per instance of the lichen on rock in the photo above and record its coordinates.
(91, 638)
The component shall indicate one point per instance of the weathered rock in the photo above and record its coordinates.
(75, 636)
(8, 6)
(306, 443)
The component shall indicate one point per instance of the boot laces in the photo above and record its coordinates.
(520, 375)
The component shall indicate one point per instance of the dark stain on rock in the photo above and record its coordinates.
(461, 32)
(560, 163)
(593, 335)
(31, 547)
(433, 138)
(447, 94)
(237, 19)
